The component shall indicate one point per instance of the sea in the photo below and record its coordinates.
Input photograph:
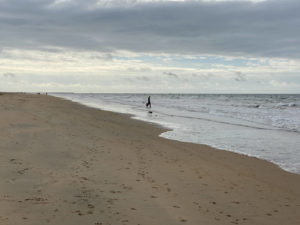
(266, 126)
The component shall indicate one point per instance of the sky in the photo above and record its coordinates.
(150, 46)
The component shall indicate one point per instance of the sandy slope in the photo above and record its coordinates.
(63, 163)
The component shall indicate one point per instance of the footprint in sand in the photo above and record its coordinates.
(89, 212)
(151, 180)
(15, 161)
(236, 202)
(91, 206)
(84, 178)
(182, 220)
(23, 171)
(79, 213)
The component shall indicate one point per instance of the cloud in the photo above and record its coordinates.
(139, 69)
(261, 29)
(143, 78)
(240, 77)
(175, 46)
(9, 75)
(204, 76)
(171, 74)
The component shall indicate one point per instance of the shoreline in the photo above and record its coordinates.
(167, 129)
(66, 163)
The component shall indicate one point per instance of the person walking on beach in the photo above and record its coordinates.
(148, 104)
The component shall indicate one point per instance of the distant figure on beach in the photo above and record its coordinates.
(148, 104)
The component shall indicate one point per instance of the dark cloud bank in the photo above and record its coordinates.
(266, 29)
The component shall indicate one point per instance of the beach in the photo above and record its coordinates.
(65, 163)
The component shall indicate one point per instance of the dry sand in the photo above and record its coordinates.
(64, 163)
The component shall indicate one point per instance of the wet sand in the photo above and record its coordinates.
(63, 163)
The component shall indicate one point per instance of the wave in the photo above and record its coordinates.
(283, 105)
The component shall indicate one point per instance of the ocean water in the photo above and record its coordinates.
(262, 126)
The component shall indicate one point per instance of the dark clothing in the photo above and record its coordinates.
(148, 104)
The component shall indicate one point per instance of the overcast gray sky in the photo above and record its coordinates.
(235, 46)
